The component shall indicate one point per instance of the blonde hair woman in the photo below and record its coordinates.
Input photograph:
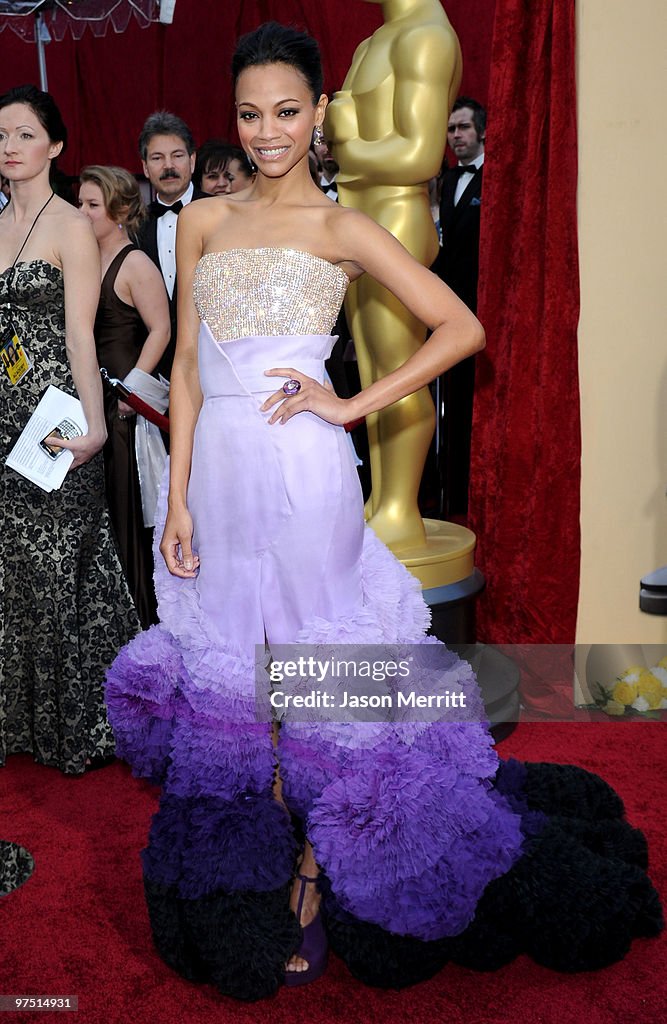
(131, 333)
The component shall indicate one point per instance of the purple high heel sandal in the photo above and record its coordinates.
(314, 947)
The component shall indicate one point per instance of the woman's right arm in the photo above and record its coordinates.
(185, 400)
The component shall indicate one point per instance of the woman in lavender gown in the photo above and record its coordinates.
(412, 840)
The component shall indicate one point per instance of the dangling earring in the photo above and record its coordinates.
(318, 135)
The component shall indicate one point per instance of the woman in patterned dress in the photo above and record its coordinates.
(65, 606)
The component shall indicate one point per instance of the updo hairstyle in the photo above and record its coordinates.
(121, 195)
(272, 43)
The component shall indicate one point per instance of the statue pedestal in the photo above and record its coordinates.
(445, 567)
(446, 557)
(451, 584)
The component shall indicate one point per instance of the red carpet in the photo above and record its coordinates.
(78, 926)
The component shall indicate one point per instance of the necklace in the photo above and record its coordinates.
(32, 227)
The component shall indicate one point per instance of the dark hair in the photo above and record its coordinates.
(44, 106)
(272, 43)
(236, 153)
(216, 155)
(478, 114)
(162, 122)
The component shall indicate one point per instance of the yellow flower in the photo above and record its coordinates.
(662, 663)
(650, 688)
(624, 692)
(612, 707)
(632, 674)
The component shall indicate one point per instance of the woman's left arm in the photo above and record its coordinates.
(456, 332)
(80, 260)
(149, 298)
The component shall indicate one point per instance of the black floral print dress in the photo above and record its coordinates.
(65, 609)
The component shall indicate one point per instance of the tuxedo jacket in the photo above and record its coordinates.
(458, 260)
(147, 242)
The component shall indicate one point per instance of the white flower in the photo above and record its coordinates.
(640, 704)
(659, 673)
(630, 677)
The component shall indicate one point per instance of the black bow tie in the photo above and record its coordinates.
(468, 169)
(159, 209)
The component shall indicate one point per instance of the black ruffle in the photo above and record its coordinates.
(239, 942)
(375, 956)
(569, 791)
(573, 902)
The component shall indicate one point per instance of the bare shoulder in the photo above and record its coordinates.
(347, 226)
(71, 233)
(197, 212)
(205, 217)
(65, 217)
(357, 240)
(137, 262)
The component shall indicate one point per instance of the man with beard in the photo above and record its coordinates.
(458, 266)
(168, 157)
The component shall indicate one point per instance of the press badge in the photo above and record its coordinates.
(14, 357)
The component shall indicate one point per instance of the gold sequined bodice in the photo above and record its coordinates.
(248, 292)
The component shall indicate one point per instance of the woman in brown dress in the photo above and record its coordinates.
(131, 330)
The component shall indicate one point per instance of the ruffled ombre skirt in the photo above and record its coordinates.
(429, 848)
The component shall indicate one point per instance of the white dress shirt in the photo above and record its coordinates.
(465, 179)
(166, 241)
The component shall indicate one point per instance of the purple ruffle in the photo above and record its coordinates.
(143, 695)
(202, 846)
(411, 844)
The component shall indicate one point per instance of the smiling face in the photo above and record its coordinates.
(168, 166)
(25, 147)
(231, 177)
(276, 115)
(214, 182)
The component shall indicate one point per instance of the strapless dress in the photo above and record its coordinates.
(423, 837)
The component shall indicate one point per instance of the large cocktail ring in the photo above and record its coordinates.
(292, 387)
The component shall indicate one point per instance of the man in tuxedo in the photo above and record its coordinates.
(168, 156)
(327, 170)
(458, 266)
(461, 201)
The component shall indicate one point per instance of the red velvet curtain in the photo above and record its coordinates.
(525, 470)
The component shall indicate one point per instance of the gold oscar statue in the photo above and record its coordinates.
(388, 129)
